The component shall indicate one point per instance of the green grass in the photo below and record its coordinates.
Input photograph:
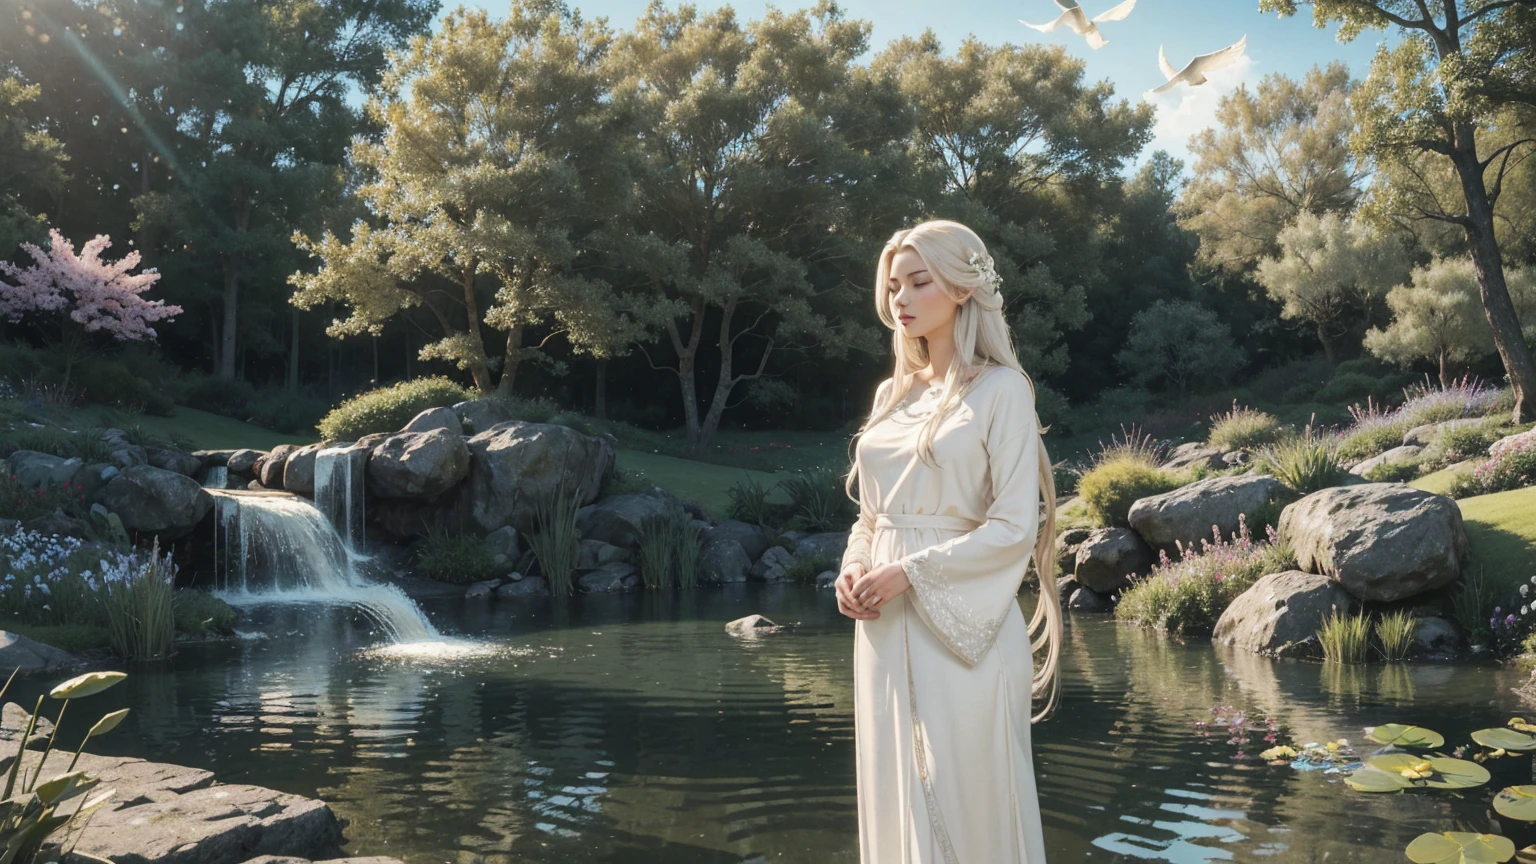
(704, 482)
(1501, 533)
(1438, 482)
(74, 638)
(205, 431)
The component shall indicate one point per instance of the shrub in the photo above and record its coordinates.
(1305, 462)
(1428, 402)
(456, 558)
(219, 395)
(1348, 386)
(670, 549)
(21, 503)
(199, 613)
(1372, 434)
(1470, 441)
(1513, 466)
(1110, 488)
(1243, 428)
(1393, 472)
(749, 500)
(108, 382)
(818, 500)
(388, 408)
(1187, 596)
(1343, 638)
(1132, 444)
(286, 411)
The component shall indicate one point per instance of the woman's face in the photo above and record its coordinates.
(918, 304)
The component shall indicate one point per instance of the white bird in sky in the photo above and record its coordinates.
(1077, 21)
(1194, 73)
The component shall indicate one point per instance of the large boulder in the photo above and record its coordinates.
(828, 544)
(773, 566)
(610, 578)
(516, 466)
(593, 554)
(174, 460)
(723, 560)
(1282, 613)
(479, 415)
(35, 470)
(299, 470)
(152, 500)
(1191, 513)
(1405, 453)
(1109, 557)
(435, 418)
(1380, 541)
(244, 461)
(57, 524)
(1196, 453)
(214, 458)
(1066, 549)
(753, 539)
(269, 469)
(418, 464)
(618, 519)
(19, 652)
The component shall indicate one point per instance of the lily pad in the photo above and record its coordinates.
(1516, 802)
(1443, 772)
(1504, 739)
(1455, 847)
(1398, 735)
(85, 685)
(1372, 779)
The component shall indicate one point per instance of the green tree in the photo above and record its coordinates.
(494, 153)
(1455, 68)
(1014, 143)
(1438, 317)
(258, 96)
(1178, 343)
(1282, 149)
(31, 166)
(763, 158)
(1330, 272)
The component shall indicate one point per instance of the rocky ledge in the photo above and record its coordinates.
(170, 814)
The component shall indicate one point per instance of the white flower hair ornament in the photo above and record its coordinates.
(982, 262)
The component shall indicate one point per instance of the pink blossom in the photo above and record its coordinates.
(104, 294)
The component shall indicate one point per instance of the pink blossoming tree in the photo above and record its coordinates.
(98, 295)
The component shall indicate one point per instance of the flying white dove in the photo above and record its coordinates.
(1194, 73)
(1077, 21)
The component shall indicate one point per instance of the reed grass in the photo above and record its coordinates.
(141, 621)
(1394, 635)
(1343, 638)
(1306, 462)
(670, 549)
(557, 543)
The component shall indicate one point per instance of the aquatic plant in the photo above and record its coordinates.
(670, 549)
(1454, 847)
(1516, 802)
(1239, 728)
(1400, 735)
(1391, 772)
(1343, 638)
(557, 543)
(137, 597)
(1472, 606)
(456, 558)
(1394, 635)
(53, 813)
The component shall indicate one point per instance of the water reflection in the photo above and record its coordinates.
(632, 729)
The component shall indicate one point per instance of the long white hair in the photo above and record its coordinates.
(982, 339)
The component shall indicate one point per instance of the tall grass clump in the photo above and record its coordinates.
(140, 620)
(456, 558)
(1343, 638)
(1125, 469)
(1394, 635)
(388, 408)
(1187, 596)
(670, 549)
(1472, 605)
(1306, 462)
(556, 543)
(818, 500)
(1243, 429)
(749, 500)
(1471, 441)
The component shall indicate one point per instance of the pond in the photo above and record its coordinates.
(631, 728)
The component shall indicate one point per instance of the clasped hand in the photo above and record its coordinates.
(860, 595)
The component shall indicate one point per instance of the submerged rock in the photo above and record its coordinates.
(19, 652)
(752, 625)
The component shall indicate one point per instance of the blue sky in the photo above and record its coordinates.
(1129, 61)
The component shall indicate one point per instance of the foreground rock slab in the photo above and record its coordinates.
(17, 651)
(1282, 613)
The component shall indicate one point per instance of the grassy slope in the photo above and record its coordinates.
(700, 481)
(205, 431)
(1501, 530)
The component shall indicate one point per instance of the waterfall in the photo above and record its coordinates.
(278, 548)
(216, 477)
(339, 490)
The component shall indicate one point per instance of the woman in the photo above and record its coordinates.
(951, 471)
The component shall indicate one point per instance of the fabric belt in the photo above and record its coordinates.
(924, 520)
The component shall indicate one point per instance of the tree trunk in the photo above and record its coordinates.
(511, 360)
(231, 311)
(375, 361)
(1488, 261)
(293, 352)
(1443, 382)
(477, 366)
(213, 339)
(600, 396)
(1330, 351)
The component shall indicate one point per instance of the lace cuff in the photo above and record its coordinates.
(966, 633)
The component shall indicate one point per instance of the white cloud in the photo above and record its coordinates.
(1185, 110)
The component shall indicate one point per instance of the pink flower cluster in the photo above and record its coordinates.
(105, 296)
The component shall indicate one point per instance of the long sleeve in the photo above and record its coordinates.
(863, 530)
(965, 584)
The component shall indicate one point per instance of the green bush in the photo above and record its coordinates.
(388, 408)
(1512, 467)
(199, 613)
(1305, 462)
(456, 558)
(218, 395)
(106, 381)
(749, 500)
(21, 503)
(1110, 488)
(1469, 441)
(1363, 442)
(670, 549)
(75, 638)
(819, 500)
(1348, 387)
(1393, 472)
(1186, 597)
(1243, 429)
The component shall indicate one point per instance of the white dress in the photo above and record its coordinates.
(942, 678)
